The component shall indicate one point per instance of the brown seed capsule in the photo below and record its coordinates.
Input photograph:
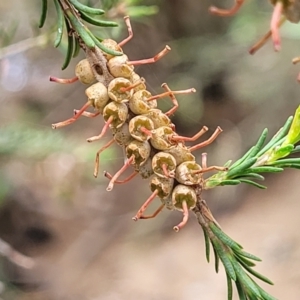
(291, 10)
(140, 151)
(111, 44)
(84, 72)
(161, 139)
(145, 170)
(140, 128)
(118, 66)
(183, 193)
(97, 95)
(186, 173)
(181, 153)
(158, 118)
(164, 186)
(139, 105)
(164, 165)
(119, 112)
(115, 90)
(122, 135)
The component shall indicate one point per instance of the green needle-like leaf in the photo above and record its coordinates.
(97, 22)
(242, 159)
(248, 255)
(70, 47)
(229, 288)
(60, 24)
(264, 169)
(252, 176)
(224, 237)
(260, 186)
(81, 30)
(219, 248)
(44, 13)
(230, 182)
(102, 47)
(233, 172)
(217, 261)
(256, 274)
(207, 245)
(89, 10)
(246, 280)
(76, 48)
(278, 136)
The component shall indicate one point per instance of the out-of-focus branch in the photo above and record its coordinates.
(15, 256)
(24, 45)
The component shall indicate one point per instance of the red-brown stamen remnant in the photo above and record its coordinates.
(116, 176)
(208, 141)
(275, 24)
(154, 214)
(130, 32)
(103, 131)
(145, 205)
(97, 161)
(151, 60)
(185, 217)
(227, 12)
(109, 176)
(63, 80)
(265, 38)
(87, 114)
(73, 119)
(169, 92)
(180, 138)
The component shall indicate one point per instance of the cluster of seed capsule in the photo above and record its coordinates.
(147, 135)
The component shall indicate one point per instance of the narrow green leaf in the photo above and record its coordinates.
(241, 168)
(259, 143)
(229, 288)
(256, 274)
(265, 295)
(246, 280)
(89, 10)
(224, 258)
(217, 261)
(295, 166)
(278, 136)
(70, 47)
(260, 186)
(264, 169)
(242, 295)
(242, 159)
(81, 30)
(225, 238)
(60, 24)
(282, 151)
(296, 149)
(245, 260)
(230, 182)
(44, 13)
(227, 164)
(286, 160)
(207, 245)
(253, 176)
(293, 135)
(76, 48)
(97, 22)
(102, 47)
(248, 255)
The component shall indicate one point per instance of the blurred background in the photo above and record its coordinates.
(81, 239)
